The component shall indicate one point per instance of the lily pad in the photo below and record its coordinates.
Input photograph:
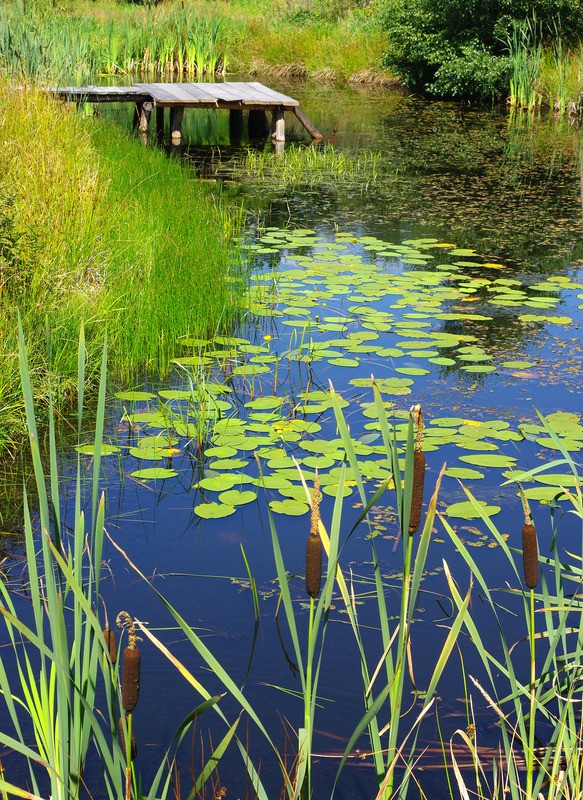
(235, 497)
(466, 510)
(463, 474)
(289, 507)
(489, 460)
(154, 473)
(135, 396)
(214, 510)
(90, 450)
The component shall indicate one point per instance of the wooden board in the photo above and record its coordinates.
(270, 95)
(102, 94)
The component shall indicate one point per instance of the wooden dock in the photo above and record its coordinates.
(237, 97)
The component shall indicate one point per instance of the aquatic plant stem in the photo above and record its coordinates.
(530, 757)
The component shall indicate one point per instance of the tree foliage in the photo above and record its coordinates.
(459, 48)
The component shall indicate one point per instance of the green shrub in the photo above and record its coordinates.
(459, 48)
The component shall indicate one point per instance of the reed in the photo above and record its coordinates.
(46, 45)
(525, 50)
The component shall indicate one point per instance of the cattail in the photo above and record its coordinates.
(314, 546)
(529, 545)
(530, 555)
(418, 473)
(111, 644)
(134, 747)
(130, 674)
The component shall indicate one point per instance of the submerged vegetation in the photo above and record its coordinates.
(96, 227)
(308, 167)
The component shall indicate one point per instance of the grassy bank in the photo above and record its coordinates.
(331, 39)
(95, 227)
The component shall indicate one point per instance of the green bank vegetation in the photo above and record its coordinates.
(528, 52)
(334, 40)
(96, 227)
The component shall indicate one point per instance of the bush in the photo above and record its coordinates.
(459, 48)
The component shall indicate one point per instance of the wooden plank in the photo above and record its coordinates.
(157, 91)
(224, 92)
(101, 94)
(167, 92)
(198, 92)
(272, 96)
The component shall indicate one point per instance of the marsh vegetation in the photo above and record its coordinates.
(324, 460)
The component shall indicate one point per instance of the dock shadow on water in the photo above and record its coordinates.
(424, 649)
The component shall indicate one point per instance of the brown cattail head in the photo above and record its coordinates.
(313, 565)
(314, 546)
(418, 470)
(530, 555)
(111, 644)
(130, 673)
(130, 678)
(122, 738)
(529, 544)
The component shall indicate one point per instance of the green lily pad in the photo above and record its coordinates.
(221, 452)
(135, 396)
(489, 460)
(518, 364)
(235, 497)
(463, 474)
(89, 449)
(213, 510)
(218, 483)
(545, 494)
(272, 481)
(289, 507)
(228, 463)
(154, 473)
(466, 510)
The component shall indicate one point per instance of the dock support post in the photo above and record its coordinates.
(160, 122)
(257, 122)
(308, 124)
(176, 114)
(142, 115)
(235, 125)
(278, 125)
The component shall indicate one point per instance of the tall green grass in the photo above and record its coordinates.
(43, 43)
(77, 41)
(98, 228)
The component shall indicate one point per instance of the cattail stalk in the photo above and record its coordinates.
(122, 738)
(130, 676)
(314, 546)
(418, 472)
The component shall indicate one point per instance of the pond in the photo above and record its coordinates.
(453, 276)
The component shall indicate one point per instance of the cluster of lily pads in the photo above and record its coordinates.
(257, 408)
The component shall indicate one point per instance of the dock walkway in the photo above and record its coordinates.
(236, 96)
